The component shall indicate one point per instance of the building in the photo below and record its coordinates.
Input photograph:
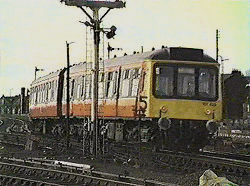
(18, 104)
(10, 105)
(246, 104)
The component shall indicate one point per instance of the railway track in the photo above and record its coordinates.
(238, 165)
(46, 173)
(227, 161)
(205, 161)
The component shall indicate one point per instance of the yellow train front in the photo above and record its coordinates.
(178, 101)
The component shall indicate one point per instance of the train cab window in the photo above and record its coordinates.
(207, 83)
(186, 82)
(164, 81)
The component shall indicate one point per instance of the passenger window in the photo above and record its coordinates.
(72, 89)
(135, 82)
(88, 87)
(109, 85)
(101, 86)
(78, 91)
(115, 83)
(125, 74)
(83, 87)
(52, 90)
(47, 92)
(125, 84)
(101, 77)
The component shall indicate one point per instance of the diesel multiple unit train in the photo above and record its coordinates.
(170, 97)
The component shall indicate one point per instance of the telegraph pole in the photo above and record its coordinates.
(217, 45)
(95, 21)
(94, 105)
(68, 97)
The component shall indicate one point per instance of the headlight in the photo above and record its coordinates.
(164, 109)
(208, 112)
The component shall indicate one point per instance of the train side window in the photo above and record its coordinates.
(36, 95)
(52, 91)
(135, 82)
(32, 98)
(125, 84)
(64, 92)
(83, 87)
(39, 94)
(101, 77)
(47, 92)
(88, 86)
(115, 81)
(101, 85)
(125, 74)
(72, 89)
(78, 91)
(43, 94)
(109, 85)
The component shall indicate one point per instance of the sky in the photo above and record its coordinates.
(33, 33)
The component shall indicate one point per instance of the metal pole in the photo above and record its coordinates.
(217, 44)
(94, 105)
(35, 72)
(68, 101)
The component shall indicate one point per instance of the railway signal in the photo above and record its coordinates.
(38, 69)
(110, 49)
(111, 33)
(95, 21)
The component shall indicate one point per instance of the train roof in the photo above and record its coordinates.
(48, 76)
(173, 53)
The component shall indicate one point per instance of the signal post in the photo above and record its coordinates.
(95, 24)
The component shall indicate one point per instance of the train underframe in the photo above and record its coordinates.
(171, 134)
